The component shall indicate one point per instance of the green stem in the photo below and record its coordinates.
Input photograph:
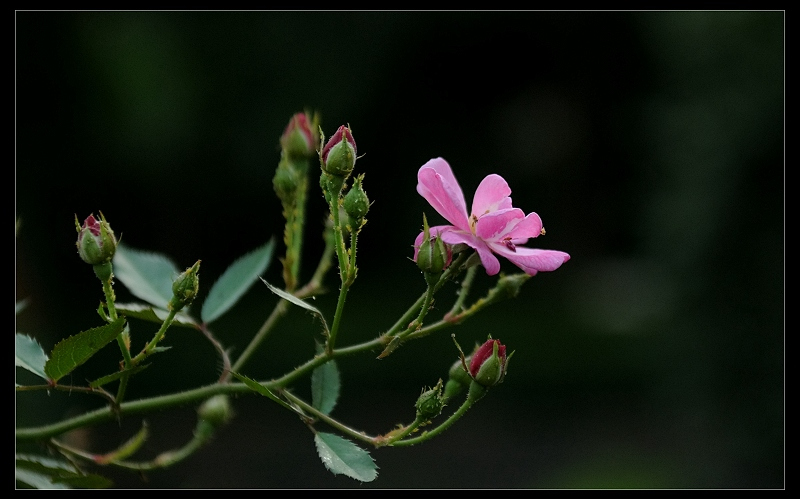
(337, 230)
(337, 317)
(297, 229)
(313, 287)
(462, 293)
(476, 392)
(266, 327)
(408, 430)
(156, 338)
(358, 435)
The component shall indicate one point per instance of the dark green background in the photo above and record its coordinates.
(650, 143)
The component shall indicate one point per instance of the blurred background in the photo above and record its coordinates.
(650, 143)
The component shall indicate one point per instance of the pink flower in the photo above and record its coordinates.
(492, 227)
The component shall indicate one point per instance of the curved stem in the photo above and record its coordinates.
(358, 435)
(476, 392)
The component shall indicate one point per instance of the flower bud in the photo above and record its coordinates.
(96, 242)
(299, 139)
(285, 182)
(356, 203)
(216, 410)
(459, 379)
(489, 363)
(339, 154)
(430, 403)
(185, 287)
(434, 255)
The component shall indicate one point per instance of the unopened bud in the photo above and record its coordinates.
(430, 403)
(356, 203)
(489, 363)
(299, 139)
(338, 157)
(433, 255)
(216, 410)
(96, 242)
(185, 287)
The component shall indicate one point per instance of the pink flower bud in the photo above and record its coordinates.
(488, 364)
(339, 154)
(299, 139)
(96, 242)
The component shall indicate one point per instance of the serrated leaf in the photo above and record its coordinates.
(149, 313)
(342, 456)
(45, 473)
(75, 350)
(147, 275)
(259, 388)
(111, 377)
(235, 282)
(30, 355)
(300, 303)
(325, 385)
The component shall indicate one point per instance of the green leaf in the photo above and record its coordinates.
(325, 384)
(40, 472)
(259, 388)
(75, 350)
(147, 275)
(157, 315)
(30, 355)
(342, 456)
(300, 303)
(235, 281)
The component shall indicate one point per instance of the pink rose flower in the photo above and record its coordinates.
(492, 227)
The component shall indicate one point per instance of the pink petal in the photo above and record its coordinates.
(488, 260)
(531, 226)
(439, 187)
(495, 225)
(434, 231)
(532, 260)
(491, 195)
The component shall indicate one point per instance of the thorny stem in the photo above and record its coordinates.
(476, 392)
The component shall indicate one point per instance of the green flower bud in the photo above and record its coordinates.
(459, 379)
(216, 410)
(356, 203)
(96, 242)
(338, 157)
(285, 181)
(185, 287)
(430, 403)
(433, 255)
